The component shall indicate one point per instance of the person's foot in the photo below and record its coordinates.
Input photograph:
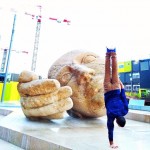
(111, 50)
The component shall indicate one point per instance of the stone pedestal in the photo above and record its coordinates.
(70, 133)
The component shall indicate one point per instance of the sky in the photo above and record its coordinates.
(95, 25)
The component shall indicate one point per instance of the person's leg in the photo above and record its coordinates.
(115, 77)
(107, 77)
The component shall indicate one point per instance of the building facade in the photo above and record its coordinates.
(135, 75)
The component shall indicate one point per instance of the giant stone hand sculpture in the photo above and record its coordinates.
(43, 98)
(84, 72)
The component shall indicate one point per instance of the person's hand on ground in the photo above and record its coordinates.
(113, 146)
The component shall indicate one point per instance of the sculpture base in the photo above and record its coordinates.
(69, 133)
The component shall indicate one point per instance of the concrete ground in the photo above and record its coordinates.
(69, 133)
(8, 146)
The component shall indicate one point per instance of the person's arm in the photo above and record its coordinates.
(110, 126)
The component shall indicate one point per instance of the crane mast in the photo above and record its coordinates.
(4, 59)
(36, 41)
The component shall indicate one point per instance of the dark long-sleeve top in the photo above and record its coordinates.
(116, 106)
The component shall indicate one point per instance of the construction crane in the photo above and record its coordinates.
(5, 57)
(36, 42)
(37, 34)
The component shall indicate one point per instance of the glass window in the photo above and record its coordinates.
(136, 75)
(136, 88)
(144, 65)
(128, 88)
(122, 78)
(128, 77)
(121, 66)
(135, 66)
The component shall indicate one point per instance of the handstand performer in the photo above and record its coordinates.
(114, 94)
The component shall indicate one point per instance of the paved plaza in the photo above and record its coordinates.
(69, 133)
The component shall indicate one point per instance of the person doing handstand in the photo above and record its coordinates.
(114, 95)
